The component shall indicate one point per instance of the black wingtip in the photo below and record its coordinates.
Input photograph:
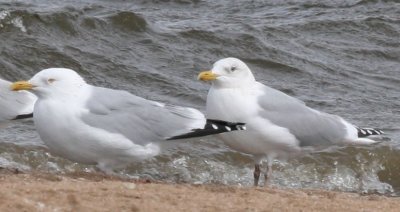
(364, 132)
(23, 116)
(212, 127)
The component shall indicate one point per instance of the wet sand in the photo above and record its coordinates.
(95, 192)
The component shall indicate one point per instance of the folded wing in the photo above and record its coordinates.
(309, 126)
(144, 121)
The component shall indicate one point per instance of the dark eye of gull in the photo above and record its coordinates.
(51, 80)
(233, 68)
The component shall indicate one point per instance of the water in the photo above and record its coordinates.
(340, 57)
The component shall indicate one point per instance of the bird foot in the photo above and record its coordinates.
(257, 172)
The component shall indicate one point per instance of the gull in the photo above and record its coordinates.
(14, 105)
(105, 127)
(278, 125)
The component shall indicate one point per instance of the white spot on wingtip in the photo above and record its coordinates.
(215, 127)
(242, 127)
(370, 132)
(363, 132)
(228, 128)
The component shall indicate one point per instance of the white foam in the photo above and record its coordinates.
(16, 22)
(4, 14)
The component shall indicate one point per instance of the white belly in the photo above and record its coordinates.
(261, 137)
(58, 131)
(66, 135)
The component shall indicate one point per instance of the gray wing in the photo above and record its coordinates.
(140, 120)
(310, 127)
(14, 103)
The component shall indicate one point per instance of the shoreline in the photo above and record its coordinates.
(38, 191)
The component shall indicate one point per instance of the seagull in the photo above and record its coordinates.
(278, 125)
(105, 127)
(15, 105)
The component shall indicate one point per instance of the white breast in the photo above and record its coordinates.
(261, 137)
(58, 129)
(66, 135)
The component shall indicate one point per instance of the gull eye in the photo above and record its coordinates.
(233, 68)
(51, 80)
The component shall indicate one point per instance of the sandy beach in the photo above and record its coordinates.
(95, 192)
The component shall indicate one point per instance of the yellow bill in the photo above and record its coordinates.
(21, 85)
(207, 76)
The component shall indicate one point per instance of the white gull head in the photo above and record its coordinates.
(227, 73)
(55, 82)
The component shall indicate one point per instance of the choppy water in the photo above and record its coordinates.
(340, 57)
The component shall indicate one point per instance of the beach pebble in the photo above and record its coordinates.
(129, 185)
